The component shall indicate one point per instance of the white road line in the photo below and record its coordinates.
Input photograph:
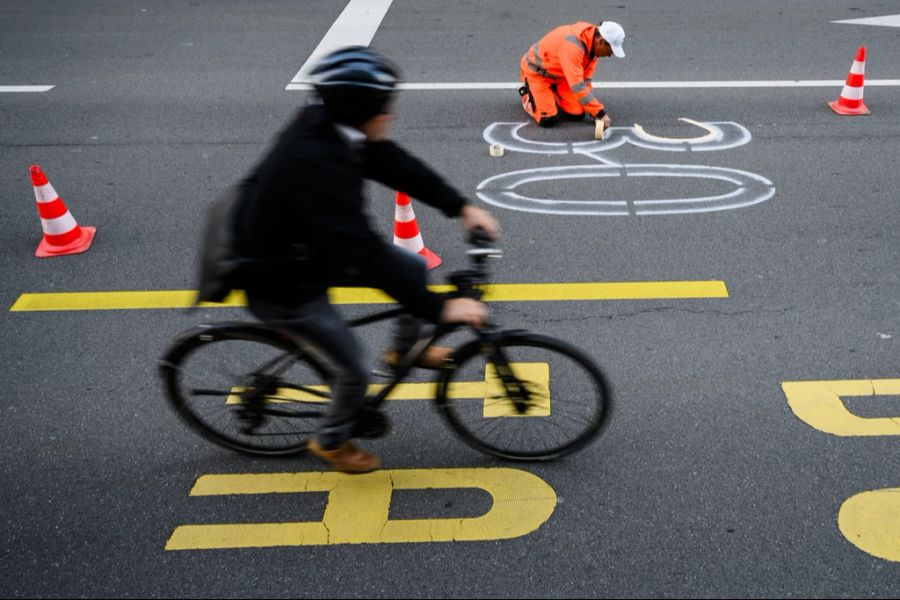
(356, 26)
(610, 85)
(26, 88)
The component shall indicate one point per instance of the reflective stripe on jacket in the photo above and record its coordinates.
(565, 53)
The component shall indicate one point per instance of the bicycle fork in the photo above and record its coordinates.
(516, 390)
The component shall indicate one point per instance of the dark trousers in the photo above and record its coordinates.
(340, 355)
(317, 320)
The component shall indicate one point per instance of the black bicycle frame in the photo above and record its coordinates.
(407, 362)
(468, 284)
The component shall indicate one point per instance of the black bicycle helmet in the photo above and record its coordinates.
(355, 84)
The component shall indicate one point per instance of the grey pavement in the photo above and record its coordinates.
(705, 484)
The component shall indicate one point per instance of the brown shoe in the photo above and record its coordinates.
(434, 357)
(346, 457)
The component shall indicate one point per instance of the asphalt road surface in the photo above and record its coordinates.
(721, 473)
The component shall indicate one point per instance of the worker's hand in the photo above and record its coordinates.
(464, 310)
(606, 122)
(478, 218)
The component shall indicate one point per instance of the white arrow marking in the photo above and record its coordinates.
(885, 21)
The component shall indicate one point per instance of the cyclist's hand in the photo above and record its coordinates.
(478, 218)
(464, 310)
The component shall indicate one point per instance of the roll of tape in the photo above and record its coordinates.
(496, 150)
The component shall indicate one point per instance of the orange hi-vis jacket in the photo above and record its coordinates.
(565, 53)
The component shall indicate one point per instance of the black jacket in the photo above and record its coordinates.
(303, 215)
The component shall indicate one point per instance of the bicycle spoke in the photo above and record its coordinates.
(236, 386)
(550, 404)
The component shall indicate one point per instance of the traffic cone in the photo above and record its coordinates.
(62, 235)
(850, 101)
(407, 234)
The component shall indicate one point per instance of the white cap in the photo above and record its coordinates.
(614, 35)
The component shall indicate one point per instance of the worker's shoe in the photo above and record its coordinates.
(434, 357)
(548, 121)
(346, 457)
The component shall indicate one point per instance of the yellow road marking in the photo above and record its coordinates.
(869, 521)
(491, 391)
(819, 405)
(535, 375)
(498, 292)
(358, 508)
(404, 391)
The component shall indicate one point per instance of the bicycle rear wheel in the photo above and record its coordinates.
(246, 387)
(542, 400)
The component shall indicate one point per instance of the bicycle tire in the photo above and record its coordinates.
(562, 382)
(213, 375)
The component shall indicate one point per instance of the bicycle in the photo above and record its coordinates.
(508, 393)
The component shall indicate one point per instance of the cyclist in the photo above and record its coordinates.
(302, 216)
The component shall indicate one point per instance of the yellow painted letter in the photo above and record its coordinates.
(358, 508)
(819, 404)
(871, 521)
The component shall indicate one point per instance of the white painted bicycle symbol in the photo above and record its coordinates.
(749, 188)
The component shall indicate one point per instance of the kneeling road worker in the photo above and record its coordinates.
(556, 72)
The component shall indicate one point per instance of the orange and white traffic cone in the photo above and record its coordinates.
(407, 234)
(62, 235)
(850, 101)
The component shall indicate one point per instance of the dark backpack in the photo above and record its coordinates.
(220, 264)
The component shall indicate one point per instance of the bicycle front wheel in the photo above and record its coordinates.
(526, 397)
(246, 387)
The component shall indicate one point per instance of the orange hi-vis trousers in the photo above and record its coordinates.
(556, 72)
(546, 96)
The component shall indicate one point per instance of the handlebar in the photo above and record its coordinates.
(482, 249)
(479, 238)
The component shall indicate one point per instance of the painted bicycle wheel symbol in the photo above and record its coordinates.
(748, 188)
